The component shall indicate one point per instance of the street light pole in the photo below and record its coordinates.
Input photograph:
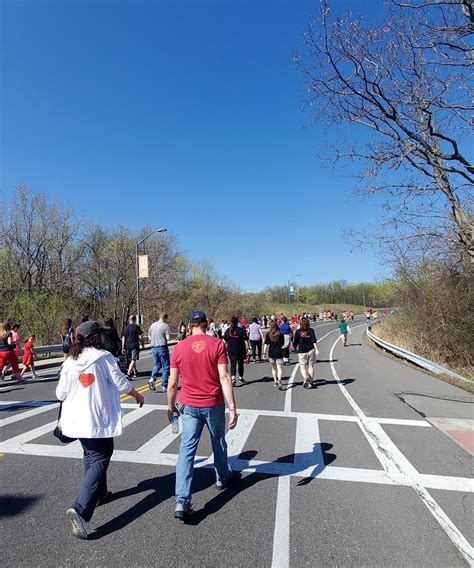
(137, 270)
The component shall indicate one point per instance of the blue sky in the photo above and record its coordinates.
(185, 115)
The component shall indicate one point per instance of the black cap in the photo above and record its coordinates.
(89, 328)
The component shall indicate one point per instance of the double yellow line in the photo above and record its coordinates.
(141, 389)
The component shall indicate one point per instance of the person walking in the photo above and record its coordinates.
(132, 338)
(235, 338)
(112, 342)
(67, 336)
(274, 341)
(28, 357)
(7, 351)
(201, 362)
(256, 340)
(88, 389)
(160, 334)
(285, 328)
(212, 328)
(224, 327)
(182, 331)
(306, 345)
(344, 328)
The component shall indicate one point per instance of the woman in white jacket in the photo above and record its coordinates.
(89, 388)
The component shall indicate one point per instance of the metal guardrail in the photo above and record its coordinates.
(414, 358)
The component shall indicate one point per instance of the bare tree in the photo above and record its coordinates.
(403, 88)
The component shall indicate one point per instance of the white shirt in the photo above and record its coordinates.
(89, 388)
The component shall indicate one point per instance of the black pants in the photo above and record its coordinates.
(233, 367)
(286, 352)
(256, 345)
(97, 454)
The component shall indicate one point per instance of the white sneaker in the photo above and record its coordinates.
(79, 526)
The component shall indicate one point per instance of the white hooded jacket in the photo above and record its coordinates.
(89, 387)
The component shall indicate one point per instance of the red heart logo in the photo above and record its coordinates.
(86, 379)
(198, 346)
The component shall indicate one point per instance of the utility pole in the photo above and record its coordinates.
(137, 270)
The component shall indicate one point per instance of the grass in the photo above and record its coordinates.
(298, 308)
(401, 337)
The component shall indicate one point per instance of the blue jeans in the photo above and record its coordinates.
(97, 454)
(193, 420)
(161, 360)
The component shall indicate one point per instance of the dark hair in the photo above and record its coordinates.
(284, 319)
(255, 320)
(82, 342)
(66, 326)
(84, 319)
(234, 320)
(110, 323)
(274, 332)
(15, 326)
(304, 323)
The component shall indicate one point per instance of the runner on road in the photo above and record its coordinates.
(344, 328)
(201, 362)
(89, 388)
(306, 345)
(274, 341)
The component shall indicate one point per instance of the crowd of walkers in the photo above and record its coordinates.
(208, 360)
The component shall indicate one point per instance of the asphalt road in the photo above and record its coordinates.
(371, 468)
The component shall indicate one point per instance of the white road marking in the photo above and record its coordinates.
(237, 438)
(308, 452)
(27, 414)
(158, 443)
(281, 534)
(400, 469)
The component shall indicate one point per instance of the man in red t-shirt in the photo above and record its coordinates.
(201, 361)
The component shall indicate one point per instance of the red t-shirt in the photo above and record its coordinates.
(196, 359)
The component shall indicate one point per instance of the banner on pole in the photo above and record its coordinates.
(143, 266)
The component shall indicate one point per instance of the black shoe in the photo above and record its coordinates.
(183, 511)
(242, 380)
(151, 385)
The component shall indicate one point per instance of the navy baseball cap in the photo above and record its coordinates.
(197, 317)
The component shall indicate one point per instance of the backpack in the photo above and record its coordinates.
(68, 339)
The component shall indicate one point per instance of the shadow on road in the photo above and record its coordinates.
(12, 505)
(158, 490)
(319, 457)
(323, 382)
